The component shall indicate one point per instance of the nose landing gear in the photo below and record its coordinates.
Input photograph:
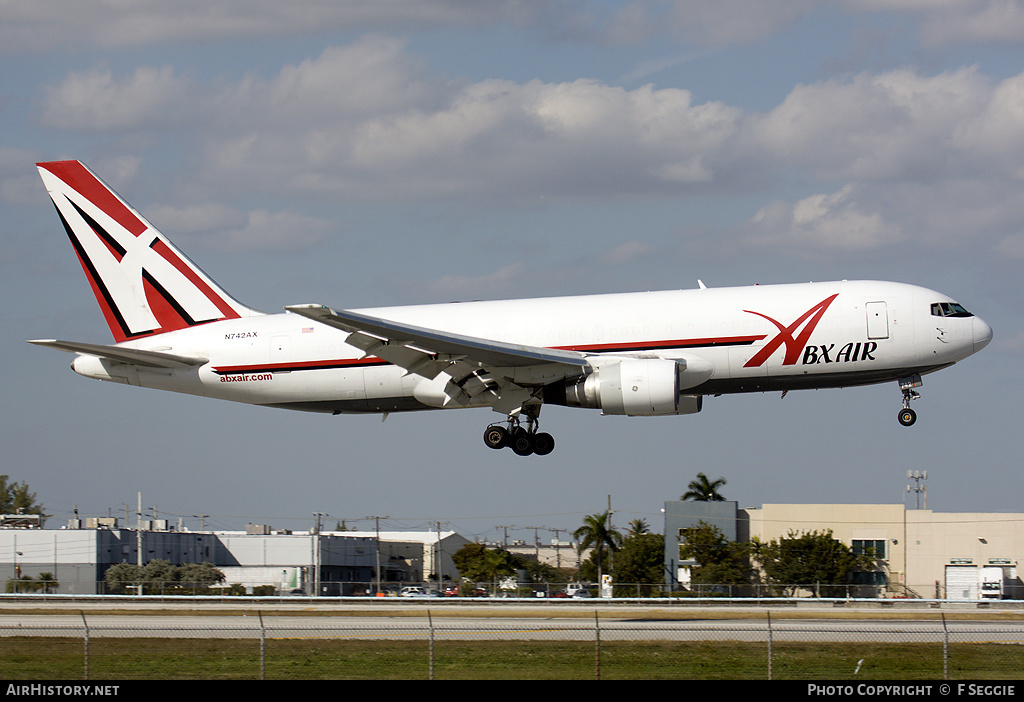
(908, 416)
(522, 440)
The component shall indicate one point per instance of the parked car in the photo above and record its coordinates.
(412, 591)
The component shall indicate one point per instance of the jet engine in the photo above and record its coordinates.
(641, 387)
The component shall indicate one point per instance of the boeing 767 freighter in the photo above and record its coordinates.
(638, 354)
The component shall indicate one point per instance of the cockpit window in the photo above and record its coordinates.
(949, 309)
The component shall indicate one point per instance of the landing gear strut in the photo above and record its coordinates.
(908, 416)
(522, 440)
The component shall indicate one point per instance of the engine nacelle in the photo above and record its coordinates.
(642, 387)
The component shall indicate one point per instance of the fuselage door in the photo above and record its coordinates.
(878, 320)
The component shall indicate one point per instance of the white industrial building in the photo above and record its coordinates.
(415, 556)
(329, 563)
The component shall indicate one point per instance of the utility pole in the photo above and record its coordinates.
(558, 546)
(505, 528)
(377, 569)
(438, 565)
(316, 554)
(138, 535)
(536, 541)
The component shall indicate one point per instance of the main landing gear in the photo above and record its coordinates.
(522, 440)
(908, 416)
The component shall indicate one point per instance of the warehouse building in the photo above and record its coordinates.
(921, 553)
(329, 563)
(918, 552)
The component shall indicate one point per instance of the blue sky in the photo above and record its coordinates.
(390, 152)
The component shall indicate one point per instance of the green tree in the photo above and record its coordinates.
(47, 582)
(536, 571)
(478, 563)
(702, 489)
(199, 575)
(467, 558)
(720, 561)
(44, 582)
(813, 560)
(121, 577)
(637, 527)
(596, 533)
(16, 498)
(159, 575)
(641, 559)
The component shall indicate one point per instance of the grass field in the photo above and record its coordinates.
(58, 658)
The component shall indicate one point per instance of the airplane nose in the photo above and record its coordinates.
(982, 334)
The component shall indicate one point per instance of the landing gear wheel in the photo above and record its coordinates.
(496, 437)
(522, 443)
(907, 416)
(543, 444)
(523, 440)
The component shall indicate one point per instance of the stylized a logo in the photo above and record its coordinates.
(144, 285)
(794, 344)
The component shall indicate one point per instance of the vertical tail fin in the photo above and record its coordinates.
(143, 284)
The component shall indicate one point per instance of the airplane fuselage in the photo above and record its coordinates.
(756, 338)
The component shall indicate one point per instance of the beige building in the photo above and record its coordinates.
(946, 555)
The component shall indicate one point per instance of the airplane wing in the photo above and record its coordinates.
(490, 365)
(121, 354)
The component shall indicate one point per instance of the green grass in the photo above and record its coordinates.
(52, 658)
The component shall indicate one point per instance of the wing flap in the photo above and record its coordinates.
(121, 354)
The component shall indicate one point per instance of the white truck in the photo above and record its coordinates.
(991, 583)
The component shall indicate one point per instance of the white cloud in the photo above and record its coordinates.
(891, 125)
(502, 281)
(886, 152)
(835, 221)
(627, 251)
(734, 21)
(224, 228)
(97, 101)
(43, 24)
(974, 21)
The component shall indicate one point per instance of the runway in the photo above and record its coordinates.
(413, 622)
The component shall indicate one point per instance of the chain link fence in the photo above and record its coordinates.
(426, 645)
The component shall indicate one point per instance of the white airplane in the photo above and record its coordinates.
(636, 354)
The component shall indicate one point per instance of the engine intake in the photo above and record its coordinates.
(642, 387)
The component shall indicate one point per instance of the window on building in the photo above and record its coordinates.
(869, 547)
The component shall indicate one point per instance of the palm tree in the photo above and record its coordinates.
(704, 490)
(638, 527)
(597, 533)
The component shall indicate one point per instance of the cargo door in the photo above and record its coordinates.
(878, 320)
(961, 582)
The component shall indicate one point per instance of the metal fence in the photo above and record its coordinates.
(524, 590)
(432, 645)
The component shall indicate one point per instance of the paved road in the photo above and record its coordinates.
(612, 626)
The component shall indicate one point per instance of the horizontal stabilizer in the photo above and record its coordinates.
(122, 354)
